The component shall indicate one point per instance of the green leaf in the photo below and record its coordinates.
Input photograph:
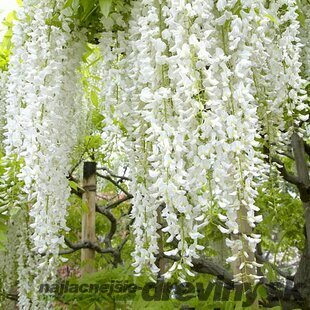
(3, 226)
(88, 7)
(120, 125)
(261, 292)
(68, 4)
(97, 120)
(98, 306)
(272, 18)
(92, 307)
(93, 142)
(94, 98)
(105, 7)
(301, 18)
(74, 185)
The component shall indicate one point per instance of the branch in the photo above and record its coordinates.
(307, 148)
(120, 247)
(10, 296)
(115, 183)
(85, 245)
(113, 205)
(204, 265)
(112, 219)
(285, 174)
(288, 155)
(76, 165)
(121, 177)
(261, 259)
(277, 293)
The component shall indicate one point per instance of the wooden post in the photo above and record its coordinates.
(88, 219)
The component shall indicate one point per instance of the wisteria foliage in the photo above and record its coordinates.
(189, 90)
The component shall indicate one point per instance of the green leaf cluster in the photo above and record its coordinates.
(6, 44)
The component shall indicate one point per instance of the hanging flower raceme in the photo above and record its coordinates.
(116, 86)
(184, 172)
(43, 118)
(112, 46)
(162, 131)
(143, 70)
(123, 126)
(304, 8)
(290, 46)
(223, 147)
(279, 84)
(190, 90)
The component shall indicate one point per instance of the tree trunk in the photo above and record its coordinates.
(302, 277)
(88, 219)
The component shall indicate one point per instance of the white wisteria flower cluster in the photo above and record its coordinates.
(43, 113)
(187, 89)
(304, 36)
(196, 84)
